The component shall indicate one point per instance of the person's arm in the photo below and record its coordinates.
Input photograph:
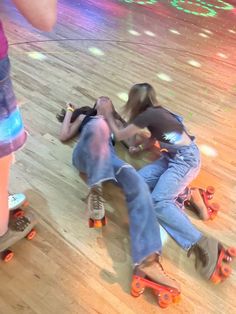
(42, 14)
(124, 133)
(68, 129)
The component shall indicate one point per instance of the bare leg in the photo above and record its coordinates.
(5, 164)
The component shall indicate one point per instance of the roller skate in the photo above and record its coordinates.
(150, 274)
(97, 218)
(19, 228)
(212, 259)
(199, 203)
(16, 204)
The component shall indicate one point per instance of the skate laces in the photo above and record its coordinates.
(96, 199)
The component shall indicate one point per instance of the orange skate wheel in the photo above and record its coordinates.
(7, 256)
(135, 294)
(212, 214)
(137, 287)
(104, 221)
(18, 213)
(231, 251)
(176, 298)
(225, 271)
(31, 234)
(164, 299)
(210, 190)
(97, 223)
(91, 223)
(216, 279)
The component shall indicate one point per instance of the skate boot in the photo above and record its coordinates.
(150, 274)
(211, 258)
(19, 228)
(96, 209)
(199, 203)
(16, 203)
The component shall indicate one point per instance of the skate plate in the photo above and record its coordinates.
(222, 270)
(12, 236)
(165, 295)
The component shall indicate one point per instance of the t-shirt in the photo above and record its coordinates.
(3, 43)
(163, 125)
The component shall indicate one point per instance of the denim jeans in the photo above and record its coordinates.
(95, 155)
(167, 178)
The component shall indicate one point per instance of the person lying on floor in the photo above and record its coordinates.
(95, 155)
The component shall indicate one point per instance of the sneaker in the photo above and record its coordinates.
(16, 200)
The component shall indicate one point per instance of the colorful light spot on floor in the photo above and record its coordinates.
(203, 35)
(194, 63)
(174, 31)
(164, 77)
(151, 34)
(134, 33)
(123, 96)
(37, 55)
(222, 55)
(96, 51)
(208, 150)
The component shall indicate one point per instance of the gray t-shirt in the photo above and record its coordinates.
(162, 124)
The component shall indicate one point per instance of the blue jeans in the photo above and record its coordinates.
(95, 155)
(167, 177)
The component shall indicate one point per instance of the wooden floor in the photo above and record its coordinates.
(102, 48)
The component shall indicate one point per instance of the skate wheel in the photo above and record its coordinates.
(210, 191)
(97, 224)
(176, 298)
(91, 223)
(226, 271)
(137, 288)
(231, 251)
(7, 256)
(31, 234)
(135, 294)
(18, 213)
(164, 299)
(104, 221)
(216, 279)
(212, 214)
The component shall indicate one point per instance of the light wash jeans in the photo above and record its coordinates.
(167, 178)
(95, 155)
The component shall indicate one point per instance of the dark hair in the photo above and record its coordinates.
(88, 111)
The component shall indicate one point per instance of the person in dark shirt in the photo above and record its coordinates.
(95, 156)
(168, 176)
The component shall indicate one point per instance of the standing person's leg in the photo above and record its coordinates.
(5, 164)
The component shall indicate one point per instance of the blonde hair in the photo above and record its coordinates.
(141, 96)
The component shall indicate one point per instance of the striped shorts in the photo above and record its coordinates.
(12, 133)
